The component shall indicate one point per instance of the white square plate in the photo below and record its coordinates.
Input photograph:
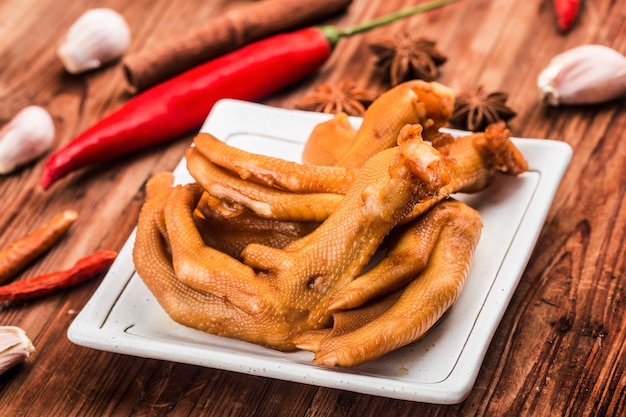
(123, 316)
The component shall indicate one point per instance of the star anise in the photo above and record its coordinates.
(474, 109)
(344, 97)
(405, 57)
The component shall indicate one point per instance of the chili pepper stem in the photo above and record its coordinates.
(333, 34)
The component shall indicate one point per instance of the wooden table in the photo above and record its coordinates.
(560, 347)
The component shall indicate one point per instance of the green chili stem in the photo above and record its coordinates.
(333, 34)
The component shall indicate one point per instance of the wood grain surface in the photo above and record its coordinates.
(560, 347)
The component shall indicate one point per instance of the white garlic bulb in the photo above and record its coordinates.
(15, 347)
(27, 136)
(98, 37)
(587, 74)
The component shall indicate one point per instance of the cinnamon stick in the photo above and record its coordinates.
(221, 35)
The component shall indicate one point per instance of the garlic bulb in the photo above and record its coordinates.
(25, 138)
(586, 74)
(15, 347)
(99, 36)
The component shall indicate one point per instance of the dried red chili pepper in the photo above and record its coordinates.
(566, 13)
(181, 104)
(85, 269)
(19, 253)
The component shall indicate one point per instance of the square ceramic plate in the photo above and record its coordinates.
(123, 316)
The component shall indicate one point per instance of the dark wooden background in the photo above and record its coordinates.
(560, 347)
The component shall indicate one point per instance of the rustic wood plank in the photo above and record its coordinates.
(560, 346)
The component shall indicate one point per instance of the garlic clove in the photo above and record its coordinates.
(98, 37)
(25, 138)
(587, 74)
(15, 347)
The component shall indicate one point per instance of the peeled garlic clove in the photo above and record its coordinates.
(15, 347)
(25, 138)
(586, 74)
(99, 36)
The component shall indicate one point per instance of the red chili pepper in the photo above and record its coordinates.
(566, 13)
(85, 269)
(181, 104)
(21, 252)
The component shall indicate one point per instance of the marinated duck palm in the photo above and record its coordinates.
(240, 253)
(311, 192)
(405, 294)
(276, 294)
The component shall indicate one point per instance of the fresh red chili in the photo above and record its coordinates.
(566, 13)
(85, 269)
(181, 104)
